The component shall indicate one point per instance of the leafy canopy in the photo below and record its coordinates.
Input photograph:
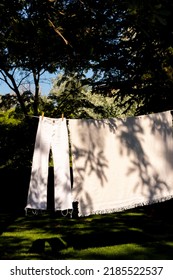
(128, 46)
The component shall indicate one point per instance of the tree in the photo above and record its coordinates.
(28, 45)
(145, 56)
(128, 46)
(36, 29)
(72, 96)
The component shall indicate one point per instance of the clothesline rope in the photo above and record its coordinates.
(123, 118)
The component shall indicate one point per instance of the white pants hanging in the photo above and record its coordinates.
(51, 134)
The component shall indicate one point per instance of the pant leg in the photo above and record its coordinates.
(37, 194)
(60, 152)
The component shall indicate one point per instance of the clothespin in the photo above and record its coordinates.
(62, 117)
(42, 115)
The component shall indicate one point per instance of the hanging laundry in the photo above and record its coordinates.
(51, 134)
(121, 163)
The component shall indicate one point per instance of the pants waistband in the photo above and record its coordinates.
(52, 120)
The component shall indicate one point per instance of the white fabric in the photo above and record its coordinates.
(121, 163)
(51, 133)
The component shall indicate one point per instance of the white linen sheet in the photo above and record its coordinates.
(121, 163)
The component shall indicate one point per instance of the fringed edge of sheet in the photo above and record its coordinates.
(124, 208)
(35, 212)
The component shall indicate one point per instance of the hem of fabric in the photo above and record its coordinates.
(37, 211)
(123, 208)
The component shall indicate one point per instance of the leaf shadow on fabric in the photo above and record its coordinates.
(147, 142)
(90, 157)
(139, 151)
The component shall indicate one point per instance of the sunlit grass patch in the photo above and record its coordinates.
(124, 251)
(133, 234)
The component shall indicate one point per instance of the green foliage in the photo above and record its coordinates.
(145, 59)
(8, 118)
(17, 139)
(73, 96)
(127, 45)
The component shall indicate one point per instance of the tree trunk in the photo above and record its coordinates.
(16, 90)
(36, 98)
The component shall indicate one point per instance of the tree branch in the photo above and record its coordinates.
(57, 31)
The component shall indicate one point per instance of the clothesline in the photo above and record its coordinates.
(32, 116)
(107, 121)
(171, 111)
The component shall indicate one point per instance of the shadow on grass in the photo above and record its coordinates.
(141, 233)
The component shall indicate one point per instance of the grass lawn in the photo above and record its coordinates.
(141, 233)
